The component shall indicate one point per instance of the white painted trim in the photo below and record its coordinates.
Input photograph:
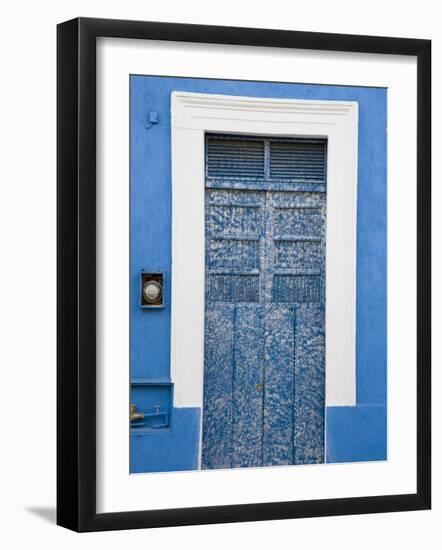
(194, 114)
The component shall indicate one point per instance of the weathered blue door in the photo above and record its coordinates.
(265, 302)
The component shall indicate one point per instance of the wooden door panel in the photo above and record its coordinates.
(309, 397)
(248, 383)
(218, 372)
(264, 374)
(279, 385)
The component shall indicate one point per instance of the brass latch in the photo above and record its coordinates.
(135, 416)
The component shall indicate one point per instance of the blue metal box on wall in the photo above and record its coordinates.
(165, 437)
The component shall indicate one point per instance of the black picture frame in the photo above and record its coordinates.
(76, 274)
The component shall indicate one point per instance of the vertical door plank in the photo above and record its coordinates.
(278, 391)
(218, 361)
(309, 384)
(248, 386)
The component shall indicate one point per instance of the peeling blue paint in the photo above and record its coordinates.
(279, 383)
(264, 385)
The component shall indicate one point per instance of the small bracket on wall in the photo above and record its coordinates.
(152, 118)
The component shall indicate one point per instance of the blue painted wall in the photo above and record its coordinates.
(352, 433)
(356, 434)
(169, 449)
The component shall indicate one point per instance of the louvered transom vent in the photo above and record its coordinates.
(298, 161)
(265, 163)
(235, 158)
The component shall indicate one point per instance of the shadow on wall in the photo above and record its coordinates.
(46, 513)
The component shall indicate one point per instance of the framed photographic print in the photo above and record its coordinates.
(243, 274)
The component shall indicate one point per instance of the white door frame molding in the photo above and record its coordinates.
(193, 115)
